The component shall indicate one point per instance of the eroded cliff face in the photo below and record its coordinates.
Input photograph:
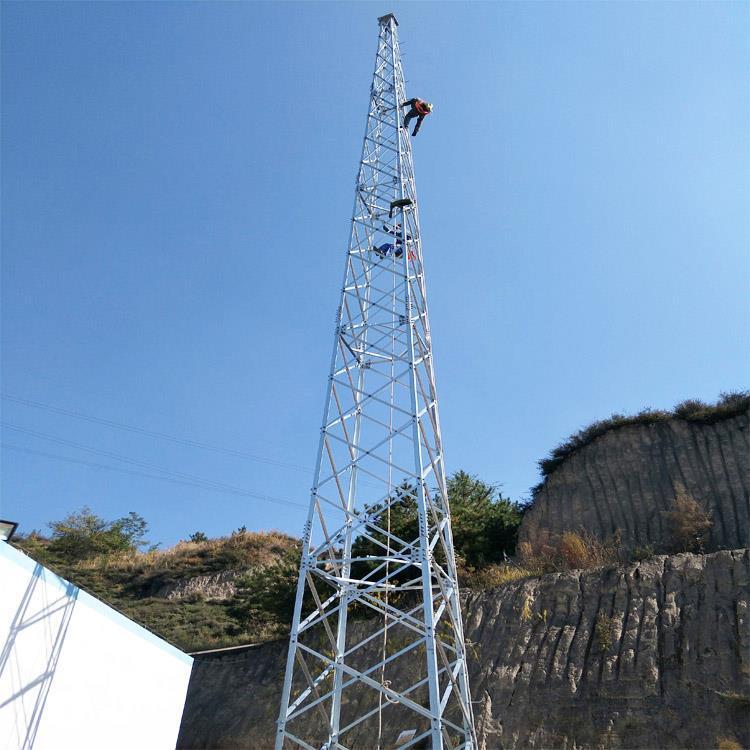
(656, 654)
(626, 480)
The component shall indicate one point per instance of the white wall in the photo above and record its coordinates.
(75, 674)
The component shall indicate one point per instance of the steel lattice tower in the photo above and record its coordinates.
(377, 644)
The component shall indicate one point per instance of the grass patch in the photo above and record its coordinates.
(190, 625)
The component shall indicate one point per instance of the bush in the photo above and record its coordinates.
(687, 523)
(690, 407)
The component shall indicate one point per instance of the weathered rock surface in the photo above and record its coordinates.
(626, 480)
(215, 586)
(653, 655)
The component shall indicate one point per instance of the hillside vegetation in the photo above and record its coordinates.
(130, 580)
(106, 559)
(691, 410)
(111, 560)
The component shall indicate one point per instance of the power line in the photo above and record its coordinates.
(161, 435)
(202, 484)
(116, 456)
(153, 433)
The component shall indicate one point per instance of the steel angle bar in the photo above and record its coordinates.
(286, 734)
(371, 669)
(308, 677)
(371, 396)
(384, 145)
(375, 710)
(361, 520)
(371, 586)
(393, 622)
(397, 697)
(316, 618)
(406, 472)
(302, 697)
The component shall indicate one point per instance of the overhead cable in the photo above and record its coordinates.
(202, 484)
(153, 433)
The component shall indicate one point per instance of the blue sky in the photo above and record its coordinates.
(177, 186)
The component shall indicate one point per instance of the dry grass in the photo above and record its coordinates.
(240, 550)
(727, 743)
(570, 550)
(490, 576)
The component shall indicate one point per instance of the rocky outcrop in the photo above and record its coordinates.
(656, 654)
(216, 586)
(625, 481)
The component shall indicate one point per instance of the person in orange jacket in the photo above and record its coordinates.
(420, 109)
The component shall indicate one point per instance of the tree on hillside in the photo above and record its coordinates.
(83, 534)
(485, 524)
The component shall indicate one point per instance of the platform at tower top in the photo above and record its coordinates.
(384, 19)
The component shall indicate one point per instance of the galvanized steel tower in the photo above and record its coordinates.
(376, 655)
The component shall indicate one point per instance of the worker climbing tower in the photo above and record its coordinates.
(376, 654)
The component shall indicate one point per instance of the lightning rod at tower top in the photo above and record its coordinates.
(376, 653)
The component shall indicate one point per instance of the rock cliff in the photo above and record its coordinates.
(626, 479)
(215, 586)
(655, 654)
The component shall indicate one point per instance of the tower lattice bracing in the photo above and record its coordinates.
(376, 655)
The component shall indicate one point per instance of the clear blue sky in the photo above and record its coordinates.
(177, 188)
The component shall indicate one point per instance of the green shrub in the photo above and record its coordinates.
(104, 558)
(192, 625)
